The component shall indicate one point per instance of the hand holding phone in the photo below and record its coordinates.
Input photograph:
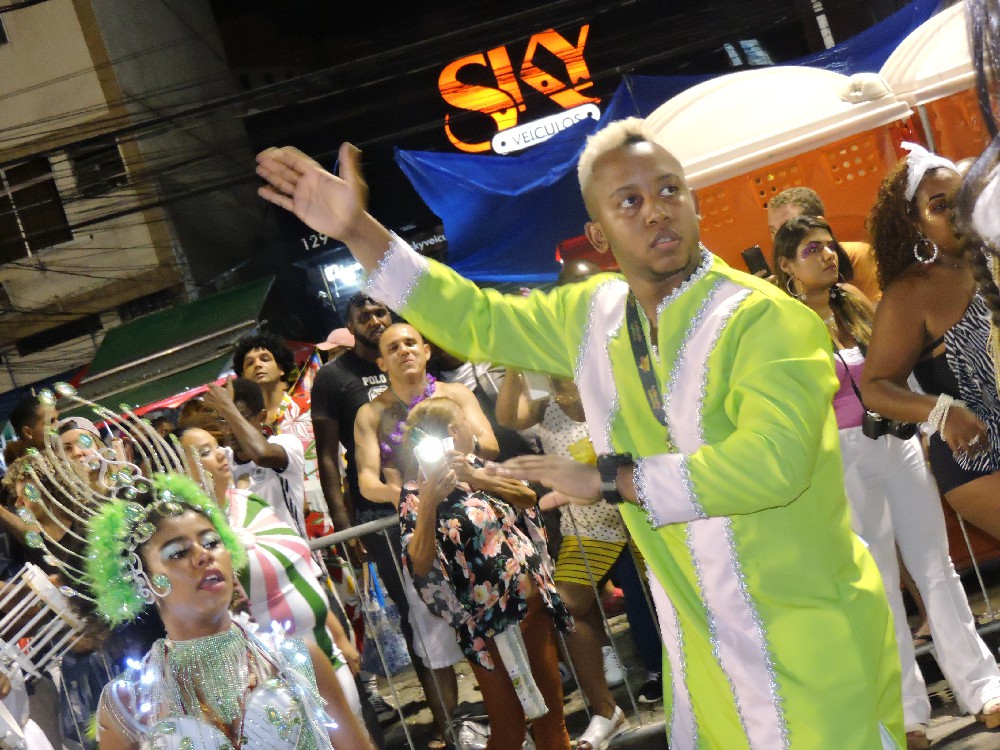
(431, 452)
(538, 384)
(756, 262)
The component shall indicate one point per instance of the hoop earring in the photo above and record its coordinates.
(840, 278)
(790, 289)
(920, 243)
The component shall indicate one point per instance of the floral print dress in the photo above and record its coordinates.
(486, 549)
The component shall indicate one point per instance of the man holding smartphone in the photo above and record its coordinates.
(707, 393)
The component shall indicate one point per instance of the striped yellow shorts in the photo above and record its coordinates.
(580, 558)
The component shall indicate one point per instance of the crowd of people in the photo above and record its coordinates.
(707, 397)
(758, 454)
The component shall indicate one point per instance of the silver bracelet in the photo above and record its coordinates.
(939, 414)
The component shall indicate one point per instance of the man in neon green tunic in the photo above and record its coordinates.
(776, 630)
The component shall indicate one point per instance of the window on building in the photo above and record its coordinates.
(148, 303)
(755, 54)
(31, 211)
(734, 57)
(61, 334)
(97, 167)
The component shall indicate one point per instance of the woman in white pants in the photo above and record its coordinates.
(893, 499)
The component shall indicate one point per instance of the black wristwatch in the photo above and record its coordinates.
(608, 465)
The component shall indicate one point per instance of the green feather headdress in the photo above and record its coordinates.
(113, 567)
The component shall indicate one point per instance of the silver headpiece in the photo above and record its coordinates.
(96, 524)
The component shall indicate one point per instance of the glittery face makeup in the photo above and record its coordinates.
(188, 550)
(177, 549)
(815, 263)
(814, 247)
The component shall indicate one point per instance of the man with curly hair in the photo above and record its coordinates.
(266, 360)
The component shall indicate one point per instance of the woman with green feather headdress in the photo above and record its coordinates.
(155, 538)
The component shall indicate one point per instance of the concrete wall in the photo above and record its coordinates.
(177, 62)
(49, 84)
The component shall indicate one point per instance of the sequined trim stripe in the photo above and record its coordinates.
(394, 288)
(704, 266)
(691, 371)
(736, 633)
(664, 490)
(707, 306)
(593, 368)
(683, 729)
(673, 498)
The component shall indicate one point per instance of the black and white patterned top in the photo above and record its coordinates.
(600, 521)
(967, 349)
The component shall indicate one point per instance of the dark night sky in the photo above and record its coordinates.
(380, 62)
(369, 72)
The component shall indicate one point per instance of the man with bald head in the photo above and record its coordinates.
(378, 431)
(708, 399)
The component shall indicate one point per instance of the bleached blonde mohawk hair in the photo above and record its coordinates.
(614, 135)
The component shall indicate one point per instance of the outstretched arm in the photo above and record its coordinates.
(331, 204)
(541, 332)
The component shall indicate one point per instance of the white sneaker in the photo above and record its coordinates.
(613, 673)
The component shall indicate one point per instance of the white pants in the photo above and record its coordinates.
(894, 501)
(434, 638)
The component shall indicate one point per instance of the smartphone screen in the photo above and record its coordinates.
(430, 452)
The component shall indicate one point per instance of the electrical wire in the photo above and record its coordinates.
(185, 108)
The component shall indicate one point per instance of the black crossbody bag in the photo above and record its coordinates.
(874, 425)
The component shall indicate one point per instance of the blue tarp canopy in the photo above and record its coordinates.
(505, 215)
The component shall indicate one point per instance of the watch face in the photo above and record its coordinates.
(609, 462)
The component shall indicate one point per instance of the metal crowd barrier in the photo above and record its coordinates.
(339, 541)
(988, 622)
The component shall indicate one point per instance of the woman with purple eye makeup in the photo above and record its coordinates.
(892, 496)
